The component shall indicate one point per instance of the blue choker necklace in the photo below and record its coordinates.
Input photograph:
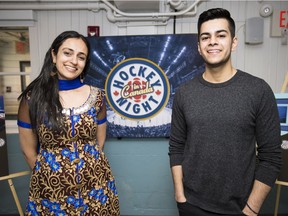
(69, 84)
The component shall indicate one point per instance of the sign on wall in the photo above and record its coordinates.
(279, 22)
(140, 75)
(3, 143)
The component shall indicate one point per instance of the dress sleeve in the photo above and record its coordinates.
(101, 115)
(23, 114)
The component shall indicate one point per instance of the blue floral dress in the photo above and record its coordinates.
(72, 175)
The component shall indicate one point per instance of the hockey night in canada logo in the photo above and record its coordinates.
(137, 89)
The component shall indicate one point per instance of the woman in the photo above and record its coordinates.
(62, 130)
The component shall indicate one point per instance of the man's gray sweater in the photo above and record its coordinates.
(214, 131)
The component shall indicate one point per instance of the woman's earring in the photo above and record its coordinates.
(54, 71)
(81, 77)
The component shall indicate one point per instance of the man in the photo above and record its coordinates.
(217, 119)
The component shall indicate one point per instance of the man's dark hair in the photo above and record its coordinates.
(216, 13)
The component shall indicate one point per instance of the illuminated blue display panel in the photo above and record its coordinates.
(282, 104)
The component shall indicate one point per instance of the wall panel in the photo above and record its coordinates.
(51, 24)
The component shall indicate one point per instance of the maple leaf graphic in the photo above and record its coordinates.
(116, 93)
(158, 92)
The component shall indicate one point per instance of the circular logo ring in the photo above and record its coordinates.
(137, 89)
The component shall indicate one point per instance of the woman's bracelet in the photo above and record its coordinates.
(251, 208)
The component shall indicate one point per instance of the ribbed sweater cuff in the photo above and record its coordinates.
(266, 176)
(176, 159)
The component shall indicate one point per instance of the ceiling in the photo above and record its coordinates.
(137, 5)
(122, 11)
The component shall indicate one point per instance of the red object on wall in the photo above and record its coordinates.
(93, 31)
(21, 47)
(284, 19)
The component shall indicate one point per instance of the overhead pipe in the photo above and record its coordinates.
(48, 6)
(187, 11)
(82, 6)
(112, 18)
(177, 4)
